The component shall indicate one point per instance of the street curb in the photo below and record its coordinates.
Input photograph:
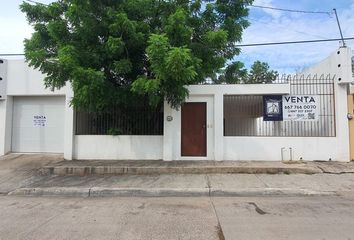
(51, 191)
(114, 170)
(148, 192)
(165, 192)
(253, 192)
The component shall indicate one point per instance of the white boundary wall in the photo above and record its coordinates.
(118, 147)
(266, 148)
(306, 148)
(24, 81)
(214, 96)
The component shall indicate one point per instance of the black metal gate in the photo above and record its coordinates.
(120, 121)
(243, 114)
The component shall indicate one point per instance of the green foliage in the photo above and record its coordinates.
(177, 29)
(124, 52)
(172, 67)
(236, 73)
(114, 131)
(260, 73)
(233, 73)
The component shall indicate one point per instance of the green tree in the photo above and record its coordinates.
(236, 72)
(233, 73)
(261, 73)
(118, 52)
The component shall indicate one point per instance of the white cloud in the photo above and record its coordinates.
(13, 26)
(13, 32)
(294, 27)
(268, 3)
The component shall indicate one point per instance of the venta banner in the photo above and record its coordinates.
(39, 121)
(301, 107)
(291, 108)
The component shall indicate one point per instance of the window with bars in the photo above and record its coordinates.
(118, 121)
(243, 114)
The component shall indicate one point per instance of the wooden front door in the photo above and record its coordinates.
(193, 129)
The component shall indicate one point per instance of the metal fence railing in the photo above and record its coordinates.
(243, 114)
(119, 121)
(278, 79)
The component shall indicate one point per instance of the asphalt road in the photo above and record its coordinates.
(177, 218)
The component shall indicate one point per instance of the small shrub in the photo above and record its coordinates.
(114, 131)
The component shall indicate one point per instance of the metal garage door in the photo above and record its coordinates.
(38, 124)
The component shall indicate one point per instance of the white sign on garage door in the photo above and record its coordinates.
(38, 124)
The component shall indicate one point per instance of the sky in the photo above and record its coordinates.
(266, 26)
(277, 26)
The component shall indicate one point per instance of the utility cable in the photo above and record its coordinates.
(304, 33)
(291, 10)
(11, 54)
(244, 45)
(255, 6)
(35, 2)
(292, 42)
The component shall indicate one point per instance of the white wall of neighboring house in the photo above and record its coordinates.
(24, 82)
(19, 80)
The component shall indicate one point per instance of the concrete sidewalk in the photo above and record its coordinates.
(23, 175)
(182, 185)
(17, 170)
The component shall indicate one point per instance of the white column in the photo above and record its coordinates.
(168, 132)
(343, 77)
(219, 126)
(69, 126)
(342, 126)
(5, 125)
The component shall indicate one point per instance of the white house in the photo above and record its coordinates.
(303, 117)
